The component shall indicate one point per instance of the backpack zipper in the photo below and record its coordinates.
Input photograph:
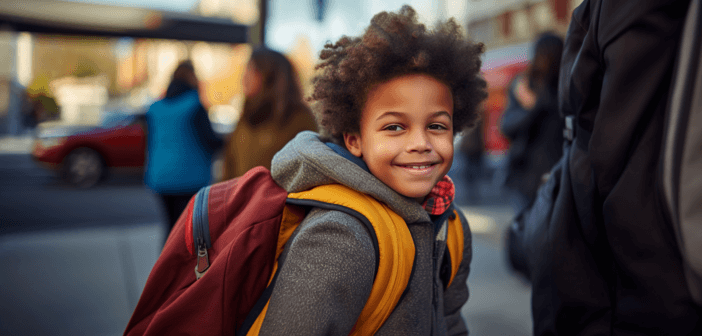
(201, 231)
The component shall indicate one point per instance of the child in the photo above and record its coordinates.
(390, 103)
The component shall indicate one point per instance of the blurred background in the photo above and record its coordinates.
(79, 231)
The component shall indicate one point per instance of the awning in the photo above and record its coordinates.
(76, 18)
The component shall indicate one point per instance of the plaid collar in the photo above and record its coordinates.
(440, 197)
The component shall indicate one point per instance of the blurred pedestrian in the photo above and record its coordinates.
(180, 143)
(30, 111)
(472, 148)
(531, 121)
(274, 112)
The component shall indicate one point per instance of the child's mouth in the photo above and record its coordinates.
(418, 167)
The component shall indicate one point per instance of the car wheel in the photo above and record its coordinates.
(83, 167)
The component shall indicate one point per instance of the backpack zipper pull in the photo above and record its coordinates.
(203, 260)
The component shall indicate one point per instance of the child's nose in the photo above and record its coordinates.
(419, 142)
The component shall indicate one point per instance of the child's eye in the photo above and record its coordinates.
(438, 127)
(393, 128)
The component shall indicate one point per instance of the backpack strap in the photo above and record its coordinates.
(395, 250)
(454, 244)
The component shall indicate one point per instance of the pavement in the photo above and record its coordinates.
(74, 282)
(87, 281)
(79, 281)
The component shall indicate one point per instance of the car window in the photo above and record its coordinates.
(115, 119)
(120, 119)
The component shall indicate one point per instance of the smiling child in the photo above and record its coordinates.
(389, 104)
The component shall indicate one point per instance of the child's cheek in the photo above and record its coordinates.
(385, 152)
(382, 148)
(447, 153)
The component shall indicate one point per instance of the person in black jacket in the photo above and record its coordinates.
(531, 121)
(608, 262)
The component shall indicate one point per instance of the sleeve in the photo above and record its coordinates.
(210, 141)
(638, 43)
(456, 295)
(326, 276)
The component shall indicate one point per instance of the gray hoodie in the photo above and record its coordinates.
(329, 263)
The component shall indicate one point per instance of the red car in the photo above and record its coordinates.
(82, 155)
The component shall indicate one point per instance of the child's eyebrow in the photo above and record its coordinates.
(440, 113)
(390, 114)
(402, 114)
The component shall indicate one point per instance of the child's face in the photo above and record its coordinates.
(406, 134)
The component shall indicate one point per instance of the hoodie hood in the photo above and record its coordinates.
(306, 162)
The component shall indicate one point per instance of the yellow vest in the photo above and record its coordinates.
(395, 248)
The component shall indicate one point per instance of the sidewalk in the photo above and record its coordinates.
(75, 282)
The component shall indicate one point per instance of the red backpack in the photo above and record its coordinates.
(217, 269)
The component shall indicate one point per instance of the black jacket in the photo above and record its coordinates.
(614, 266)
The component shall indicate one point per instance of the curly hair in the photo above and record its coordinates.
(395, 44)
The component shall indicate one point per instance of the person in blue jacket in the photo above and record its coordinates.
(180, 143)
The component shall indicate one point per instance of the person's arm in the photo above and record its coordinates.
(327, 274)
(457, 294)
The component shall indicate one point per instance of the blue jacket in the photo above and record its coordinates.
(180, 145)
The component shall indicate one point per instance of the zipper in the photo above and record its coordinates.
(201, 231)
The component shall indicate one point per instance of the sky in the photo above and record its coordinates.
(288, 20)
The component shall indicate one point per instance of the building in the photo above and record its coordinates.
(78, 49)
(515, 22)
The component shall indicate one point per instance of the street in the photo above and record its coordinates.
(75, 261)
(34, 198)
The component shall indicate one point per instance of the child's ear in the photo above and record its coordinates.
(353, 143)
